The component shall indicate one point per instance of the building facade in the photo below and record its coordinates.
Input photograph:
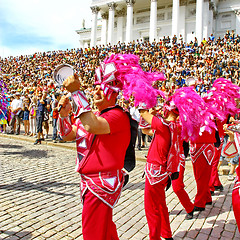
(128, 20)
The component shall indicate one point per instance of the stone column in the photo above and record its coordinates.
(206, 20)
(104, 29)
(210, 16)
(237, 12)
(129, 27)
(95, 11)
(111, 7)
(153, 21)
(120, 16)
(182, 20)
(175, 18)
(199, 21)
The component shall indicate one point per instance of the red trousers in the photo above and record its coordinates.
(214, 179)
(156, 210)
(236, 206)
(178, 188)
(97, 221)
(202, 174)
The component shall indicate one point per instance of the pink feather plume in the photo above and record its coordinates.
(221, 99)
(134, 80)
(193, 113)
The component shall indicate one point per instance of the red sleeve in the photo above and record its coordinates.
(158, 124)
(114, 119)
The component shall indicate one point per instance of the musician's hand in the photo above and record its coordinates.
(72, 83)
(66, 106)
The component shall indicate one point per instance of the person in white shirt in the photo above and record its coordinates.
(136, 116)
(16, 108)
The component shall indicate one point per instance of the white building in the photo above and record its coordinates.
(127, 20)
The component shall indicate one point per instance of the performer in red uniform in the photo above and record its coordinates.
(178, 183)
(215, 183)
(100, 160)
(163, 156)
(220, 102)
(157, 176)
(101, 140)
(235, 136)
(236, 198)
(202, 154)
(178, 186)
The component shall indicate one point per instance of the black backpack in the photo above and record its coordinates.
(130, 158)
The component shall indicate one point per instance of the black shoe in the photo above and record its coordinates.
(189, 215)
(198, 209)
(212, 193)
(41, 139)
(219, 188)
(17, 133)
(208, 203)
(139, 148)
(11, 133)
(168, 238)
(126, 179)
(37, 141)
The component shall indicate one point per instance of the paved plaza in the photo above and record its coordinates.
(39, 198)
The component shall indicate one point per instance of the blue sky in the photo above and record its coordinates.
(29, 26)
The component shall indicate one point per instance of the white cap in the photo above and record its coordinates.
(190, 81)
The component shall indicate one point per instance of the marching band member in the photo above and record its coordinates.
(102, 140)
(235, 140)
(163, 155)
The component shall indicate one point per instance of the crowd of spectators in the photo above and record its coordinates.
(30, 77)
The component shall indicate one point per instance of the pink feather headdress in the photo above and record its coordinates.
(193, 114)
(221, 99)
(123, 72)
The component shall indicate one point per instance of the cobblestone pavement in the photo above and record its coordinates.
(39, 198)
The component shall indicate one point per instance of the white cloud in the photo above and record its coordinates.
(53, 22)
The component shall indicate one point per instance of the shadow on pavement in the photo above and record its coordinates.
(29, 153)
(25, 234)
(10, 146)
(20, 185)
(133, 186)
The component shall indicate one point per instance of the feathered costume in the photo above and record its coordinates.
(131, 79)
(221, 97)
(192, 112)
(3, 103)
(221, 103)
(101, 186)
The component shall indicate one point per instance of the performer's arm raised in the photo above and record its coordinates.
(82, 109)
